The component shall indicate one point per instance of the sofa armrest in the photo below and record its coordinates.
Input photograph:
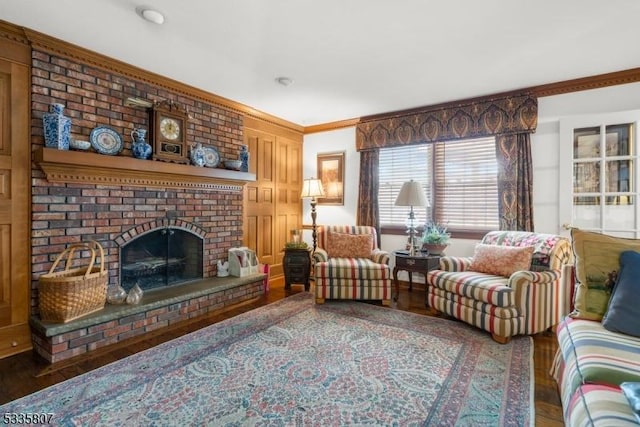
(540, 277)
(455, 263)
(539, 298)
(380, 256)
(320, 255)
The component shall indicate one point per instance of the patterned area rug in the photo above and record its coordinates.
(295, 363)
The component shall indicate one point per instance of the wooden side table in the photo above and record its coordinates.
(297, 267)
(417, 263)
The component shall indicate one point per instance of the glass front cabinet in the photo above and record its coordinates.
(599, 191)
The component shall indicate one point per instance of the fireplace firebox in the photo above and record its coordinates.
(162, 257)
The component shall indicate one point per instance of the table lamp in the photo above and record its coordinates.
(412, 194)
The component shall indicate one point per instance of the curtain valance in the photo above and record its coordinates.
(496, 116)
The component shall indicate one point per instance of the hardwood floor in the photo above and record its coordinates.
(24, 373)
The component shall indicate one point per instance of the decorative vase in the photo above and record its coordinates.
(197, 155)
(57, 128)
(116, 294)
(140, 148)
(244, 158)
(434, 249)
(135, 295)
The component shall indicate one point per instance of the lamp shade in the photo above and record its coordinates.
(412, 194)
(311, 188)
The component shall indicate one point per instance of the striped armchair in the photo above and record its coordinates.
(524, 303)
(349, 265)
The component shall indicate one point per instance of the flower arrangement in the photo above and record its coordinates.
(435, 234)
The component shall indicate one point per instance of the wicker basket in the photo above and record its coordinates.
(73, 292)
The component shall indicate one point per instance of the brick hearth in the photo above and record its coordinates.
(159, 308)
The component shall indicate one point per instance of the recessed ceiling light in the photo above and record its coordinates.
(284, 81)
(152, 16)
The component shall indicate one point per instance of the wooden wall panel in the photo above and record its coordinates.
(276, 159)
(15, 200)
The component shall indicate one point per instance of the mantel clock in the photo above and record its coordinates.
(169, 133)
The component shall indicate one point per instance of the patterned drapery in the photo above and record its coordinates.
(510, 118)
(497, 116)
(515, 182)
(368, 191)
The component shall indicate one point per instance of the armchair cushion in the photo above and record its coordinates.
(501, 260)
(353, 269)
(343, 245)
(487, 288)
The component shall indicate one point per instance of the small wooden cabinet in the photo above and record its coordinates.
(297, 267)
(418, 263)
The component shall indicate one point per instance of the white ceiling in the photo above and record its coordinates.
(350, 58)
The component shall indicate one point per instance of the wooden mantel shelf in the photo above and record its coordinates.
(84, 167)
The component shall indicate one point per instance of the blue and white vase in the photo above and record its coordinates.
(197, 155)
(140, 148)
(244, 158)
(57, 128)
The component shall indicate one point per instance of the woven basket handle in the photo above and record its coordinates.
(70, 251)
(93, 257)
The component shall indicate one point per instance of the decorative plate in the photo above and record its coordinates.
(105, 140)
(211, 157)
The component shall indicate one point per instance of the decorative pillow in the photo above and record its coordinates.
(343, 245)
(597, 259)
(622, 314)
(501, 260)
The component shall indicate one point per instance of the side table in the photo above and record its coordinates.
(297, 267)
(418, 263)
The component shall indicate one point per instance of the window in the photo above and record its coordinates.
(459, 178)
(396, 166)
(599, 192)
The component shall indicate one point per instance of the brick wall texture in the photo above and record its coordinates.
(67, 213)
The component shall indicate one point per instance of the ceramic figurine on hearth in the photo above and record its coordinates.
(223, 268)
(197, 154)
(57, 128)
(140, 148)
(244, 158)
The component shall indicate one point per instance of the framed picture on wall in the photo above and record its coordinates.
(331, 173)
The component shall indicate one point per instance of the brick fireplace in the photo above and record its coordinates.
(113, 199)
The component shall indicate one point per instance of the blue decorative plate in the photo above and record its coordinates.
(211, 157)
(105, 140)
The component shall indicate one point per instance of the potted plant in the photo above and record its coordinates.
(435, 238)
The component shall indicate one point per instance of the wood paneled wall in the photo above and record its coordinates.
(272, 204)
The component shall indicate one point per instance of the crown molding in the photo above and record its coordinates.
(324, 127)
(24, 36)
(68, 50)
(586, 83)
(567, 86)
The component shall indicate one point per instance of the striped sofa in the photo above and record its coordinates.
(589, 366)
(527, 302)
(366, 278)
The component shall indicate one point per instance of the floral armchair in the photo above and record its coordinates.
(511, 286)
(349, 265)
